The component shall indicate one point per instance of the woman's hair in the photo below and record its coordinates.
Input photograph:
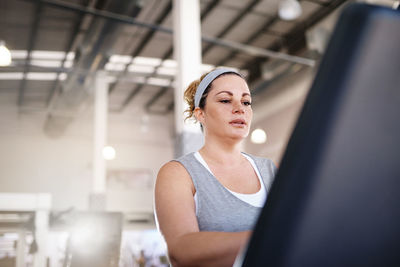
(189, 96)
(191, 91)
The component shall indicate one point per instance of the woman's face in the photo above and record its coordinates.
(227, 112)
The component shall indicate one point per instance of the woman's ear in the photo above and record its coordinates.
(199, 114)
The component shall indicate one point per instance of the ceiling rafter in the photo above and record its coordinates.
(31, 43)
(68, 48)
(205, 12)
(232, 24)
(145, 40)
(293, 37)
(167, 55)
(262, 30)
(236, 54)
(252, 37)
(254, 51)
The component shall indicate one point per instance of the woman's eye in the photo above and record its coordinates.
(224, 101)
(247, 103)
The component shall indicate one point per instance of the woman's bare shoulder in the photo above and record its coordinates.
(172, 168)
(175, 173)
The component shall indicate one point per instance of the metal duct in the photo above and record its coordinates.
(91, 55)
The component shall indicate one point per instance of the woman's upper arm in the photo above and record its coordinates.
(174, 202)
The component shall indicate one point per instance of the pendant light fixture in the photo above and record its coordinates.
(5, 55)
(289, 9)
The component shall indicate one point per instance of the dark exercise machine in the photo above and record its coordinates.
(336, 197)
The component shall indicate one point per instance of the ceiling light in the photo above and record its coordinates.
(5, 55)
(141, 68)
(11, 76)
(41, 76)
(46, 63)
(289, 9)
(159, 81)
(114, 66)
(121, 59)
(169, 63)
(109, 153)
(166, 71)
(50, 55)
(19, 54)
(258, 136)
(147, 61)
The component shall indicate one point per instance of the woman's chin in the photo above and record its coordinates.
(239, 135)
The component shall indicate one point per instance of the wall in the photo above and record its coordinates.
(32, 162)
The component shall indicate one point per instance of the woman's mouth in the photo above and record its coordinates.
(238, 123)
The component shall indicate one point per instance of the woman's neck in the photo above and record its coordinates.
(221, 152)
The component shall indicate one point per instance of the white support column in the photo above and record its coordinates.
(41, 236)
(43, 206)
(21, 246)
(97, 198)
(187, 52)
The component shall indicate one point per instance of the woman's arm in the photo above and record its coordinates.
(207, 248)
(175, 210)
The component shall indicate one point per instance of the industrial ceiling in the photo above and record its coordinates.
(58, 46)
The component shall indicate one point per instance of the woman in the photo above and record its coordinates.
(207, 202)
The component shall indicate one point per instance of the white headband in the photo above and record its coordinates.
(207, 80)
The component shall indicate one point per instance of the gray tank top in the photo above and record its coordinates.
(217, 208)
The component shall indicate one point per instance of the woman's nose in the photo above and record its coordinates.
(237, 107)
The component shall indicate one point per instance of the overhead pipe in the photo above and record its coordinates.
(99, 61)
(91, 55)
(255, 51)
(68, 48)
